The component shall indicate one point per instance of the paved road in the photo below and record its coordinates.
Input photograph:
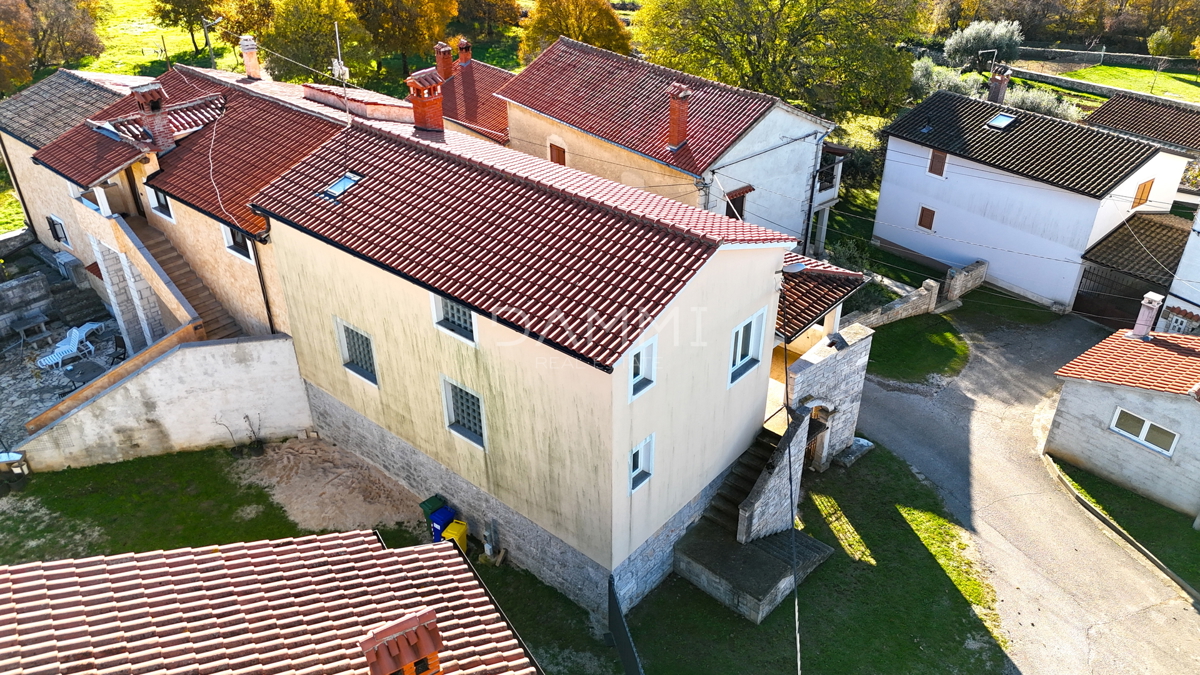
(1072, 597)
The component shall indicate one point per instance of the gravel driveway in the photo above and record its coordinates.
(1072, 597)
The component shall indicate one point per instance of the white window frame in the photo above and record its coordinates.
(448, 413)
(1141, 438)
(436, 304)
(739, 369)
(228, 234)
(340, 325)
(152, 200)
(1177, 324)
(648, 353)
(645, 471)
(66, 240)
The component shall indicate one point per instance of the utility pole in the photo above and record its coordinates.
(212, 60)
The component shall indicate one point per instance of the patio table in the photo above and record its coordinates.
(82, 372)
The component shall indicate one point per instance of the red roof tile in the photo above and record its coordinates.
(811, 293)
(467, 99)
(1168, 362)
(572, 258)
(284, 606)
(624, 100)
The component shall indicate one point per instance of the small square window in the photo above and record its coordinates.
(455, 317)
(736, 207)
(237, 242)
(641, 463)
(642, 367)
(464, 413)
(160, 202)
(358, 353)
(1143, 193)
(58, 231)
(937, 163)
(341, 185)
(558, 155)
(746, 346)
(925, 220)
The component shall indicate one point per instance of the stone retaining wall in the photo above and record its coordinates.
(1095, 57)
(960, 281)
(1097, 89)
(921, 301)
(831, 375)
(17, 239)
(21, 296)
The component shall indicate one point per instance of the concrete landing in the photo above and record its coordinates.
(750, 579)
(852, 454)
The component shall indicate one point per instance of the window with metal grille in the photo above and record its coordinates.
(1144, 431)
(1178, 324)
(457, 319)
(466, 414)
(925, 221)
(58, 231)
(937, 163)
(641, 463)
(1143, 193)
(359, 356)
(558, 155)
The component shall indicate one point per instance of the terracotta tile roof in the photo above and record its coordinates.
(570, 257)
(1190, 316)
(467, 99)
(94, 270)
(624, 100)
(1147, 246)
(184, 117)
(1161, 121)
(287, 606)
(811, 293)
(1169, 362)
(46, 110)
(1064, 154)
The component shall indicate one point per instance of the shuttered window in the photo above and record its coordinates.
(926, 219)
(558, 155)
(57, 230)
(1143, 193)
(937, 163)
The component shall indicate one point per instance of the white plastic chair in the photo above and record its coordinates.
(74, 344)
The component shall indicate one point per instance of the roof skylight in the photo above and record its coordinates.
(339, 187)
(1001, 121)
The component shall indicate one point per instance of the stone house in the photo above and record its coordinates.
(1130, 413)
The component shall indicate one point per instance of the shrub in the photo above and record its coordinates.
(963, 47)
(928, 77)
(1044, 102)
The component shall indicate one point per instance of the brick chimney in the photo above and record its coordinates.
(445, 62)
(425, 87)
(464, 51)
(1151, 303)
(677, 131)
(151, 99)
(998, 85)
(409, 645)
(250, 57)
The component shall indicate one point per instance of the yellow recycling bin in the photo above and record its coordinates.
(457, 531)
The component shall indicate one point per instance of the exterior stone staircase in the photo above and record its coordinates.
(723, 509)
(76, 306)
(218, 324)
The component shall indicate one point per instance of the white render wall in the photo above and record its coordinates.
(1165, 169)
(1081, 436)
(1185, 290)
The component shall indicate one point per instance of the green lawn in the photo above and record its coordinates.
(133, 43)
(852, 223)
(912, 349)
(992, 307)
(1171, 84)
(1167, 534)
(11, 215)
(895, 597)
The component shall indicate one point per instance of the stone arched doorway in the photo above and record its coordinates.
(816, 451)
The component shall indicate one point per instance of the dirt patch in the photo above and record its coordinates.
(1052, 67)
(323, 487)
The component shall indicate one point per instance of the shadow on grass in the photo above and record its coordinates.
(911, 349)
(902, 614)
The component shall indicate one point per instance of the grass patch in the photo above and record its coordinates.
(1179, 84)
(912, 349)
(11, 215)
(991, 307)
(851, 225)
(903, 614)
(133, 43)
(1166, 533)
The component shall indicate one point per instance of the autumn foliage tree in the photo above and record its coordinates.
(186, 14)
(484, 15)
(246, 17)
(64, 30)
(16, 45)
(405, 27)
(303, 30)
(590, 21)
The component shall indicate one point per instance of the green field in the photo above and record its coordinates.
(1181, 85)
(133, 43)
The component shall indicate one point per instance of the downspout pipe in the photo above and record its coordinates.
(812, 190)
(262, 285)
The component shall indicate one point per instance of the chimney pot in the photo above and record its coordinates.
(250, 57)
(677, 129)
(464, 51)
(150, 99)
(1151, 303)
(396, 646)
(426, 97)
(443, 59)
(998, 84)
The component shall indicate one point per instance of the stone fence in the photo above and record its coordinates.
(962, 280)
(1097, 89)
(920, 301)
(830, 376)
(17, 239)
(1108, 58)
(23, 295)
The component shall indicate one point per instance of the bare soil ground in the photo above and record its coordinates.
(324, 487)
(1052, 67)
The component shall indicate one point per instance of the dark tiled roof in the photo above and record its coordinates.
(46, 110)
(287, 606)
(1161, 121)
(572, 258)
(1064, 154)
(624, 100)
(1168, 362)
(811, 293)
(467, 99)
(1147, 246)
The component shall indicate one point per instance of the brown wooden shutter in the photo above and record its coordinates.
(558, 155)
(926, 219)
(937, 163)
(1143, 193)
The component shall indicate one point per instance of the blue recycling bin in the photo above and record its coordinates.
(438, 520)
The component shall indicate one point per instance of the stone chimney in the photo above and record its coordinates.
(409, 645)
(464, 51)
(151, 99)
(445, 62)
(1146, 317)
(677, 131)
(250, 57)
(998, 85)
(425, 87)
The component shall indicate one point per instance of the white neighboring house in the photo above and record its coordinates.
(967, 179)
(1181, 311)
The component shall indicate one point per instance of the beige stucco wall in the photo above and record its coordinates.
(451, 125)
(700, 423)
(533, 133)
(46, 193)
(547, 416)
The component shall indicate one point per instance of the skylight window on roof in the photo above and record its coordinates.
(1001, 121)
(341, 185)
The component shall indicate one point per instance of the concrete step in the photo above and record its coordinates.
(852, 454)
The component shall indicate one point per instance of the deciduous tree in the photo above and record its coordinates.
(16, 45)
(246, 17)
(484, 15)
(186, 14)
(303, 31)
(63, 30)
(963, 47)
(590, 21)
(404, 27)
